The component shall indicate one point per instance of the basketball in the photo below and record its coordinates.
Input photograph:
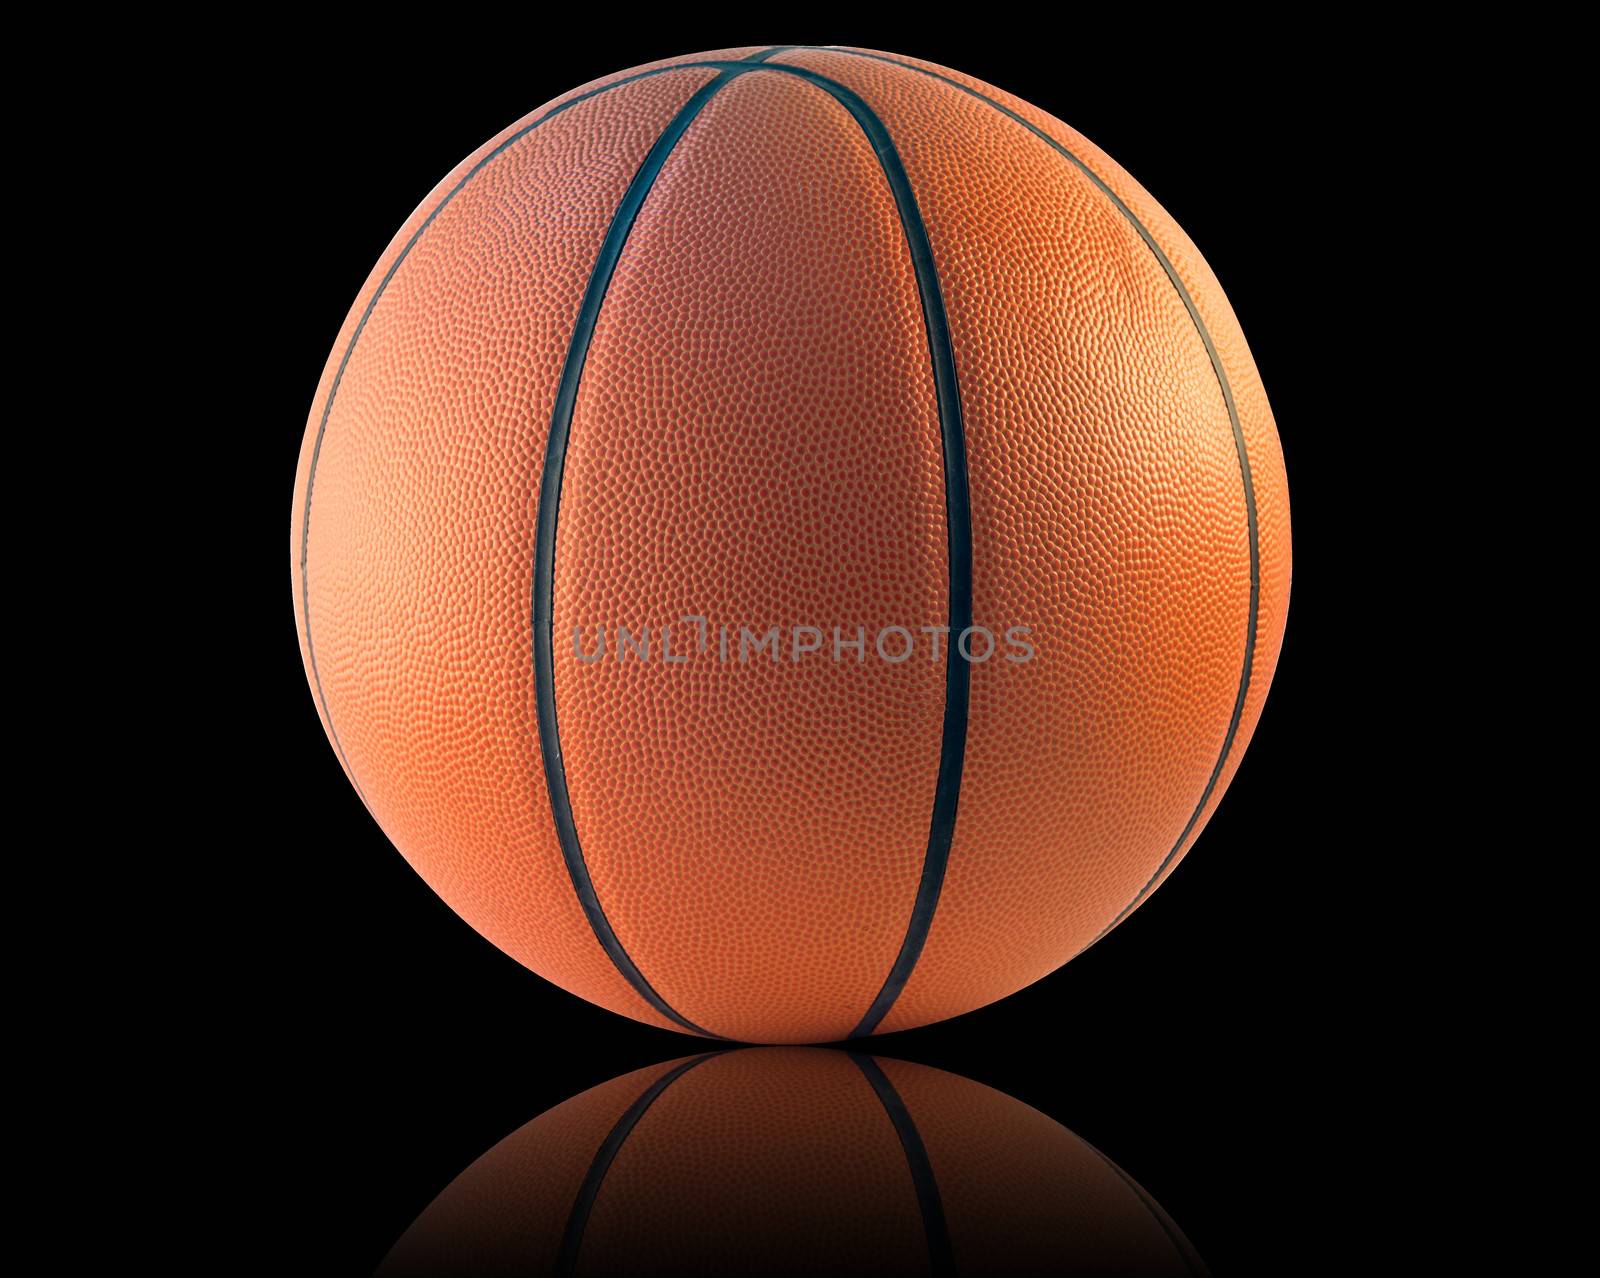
(785, 1160)
(790, 543)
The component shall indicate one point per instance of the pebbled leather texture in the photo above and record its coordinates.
(756, 440)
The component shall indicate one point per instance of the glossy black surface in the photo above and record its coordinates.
(1219, 1045)
(793, 1161)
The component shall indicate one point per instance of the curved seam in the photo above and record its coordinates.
(549, 512)
(958, 540)
(1187, 1255)
(1251, 518)
(935, 1228)
(589, 1189)
(355, 337)
(958, 535)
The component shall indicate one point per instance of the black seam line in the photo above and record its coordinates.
(958, 535)
(1233, 419)
(366, 314)
(543, 611)
(589, 1190)
(958, 526)
(941, 1256)
(1187, 1255)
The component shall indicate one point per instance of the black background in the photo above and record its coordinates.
(1223, 1045)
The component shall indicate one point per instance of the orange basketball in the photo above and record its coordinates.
(784, 1160)
(790, 543)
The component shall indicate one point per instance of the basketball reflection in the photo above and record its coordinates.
(792, 1160)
